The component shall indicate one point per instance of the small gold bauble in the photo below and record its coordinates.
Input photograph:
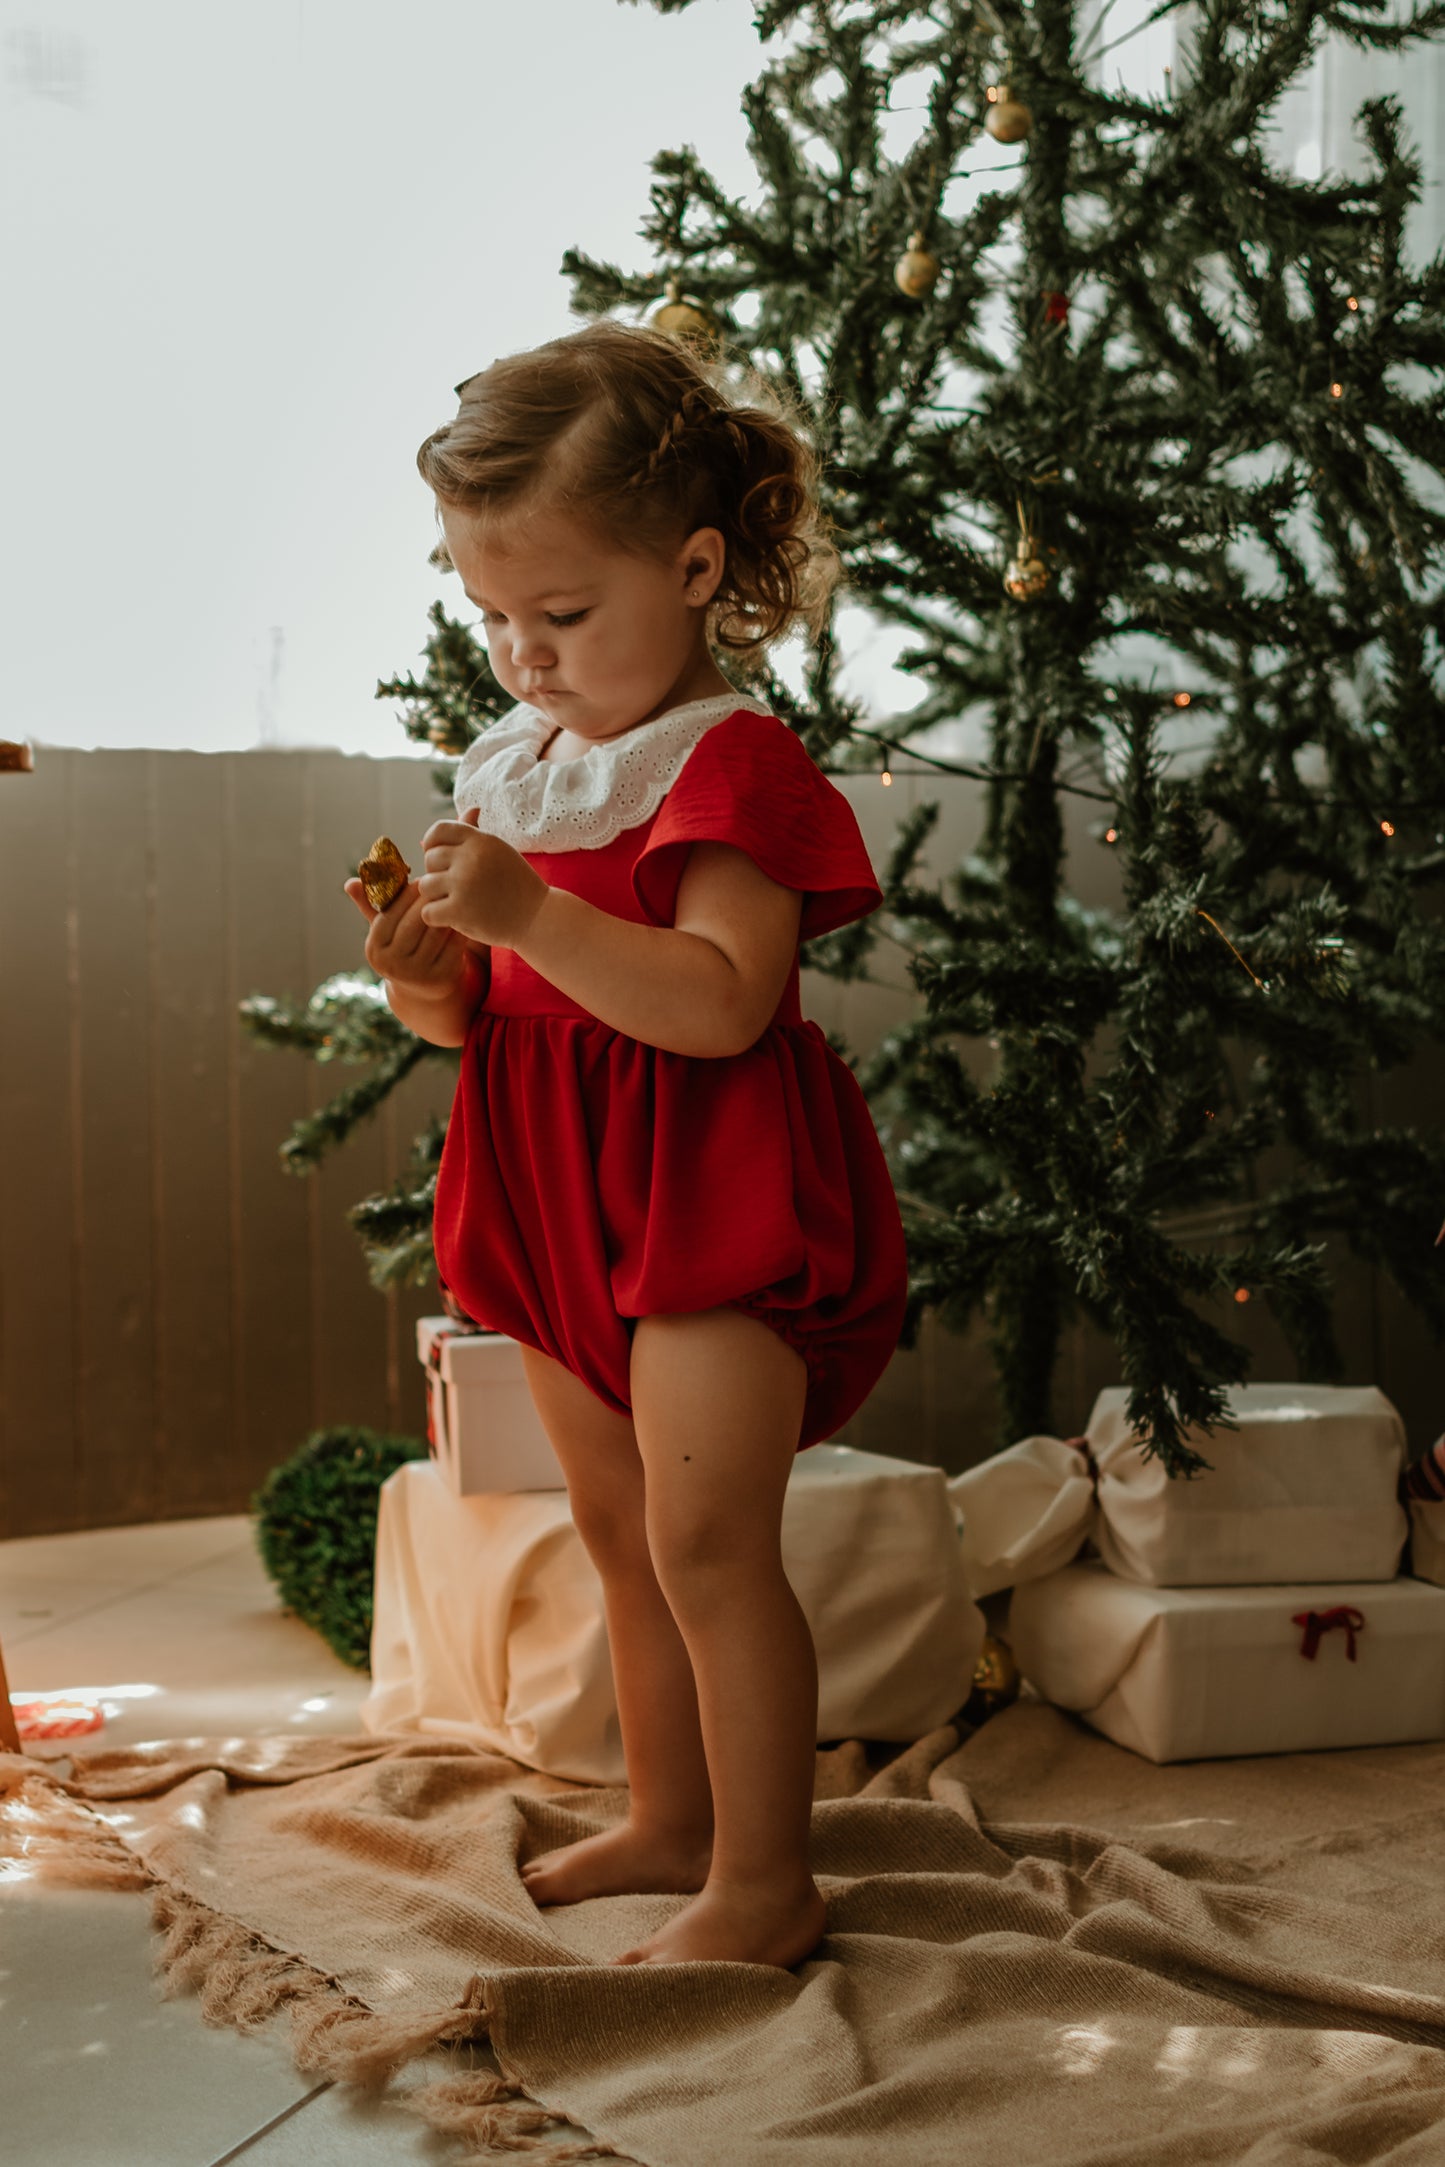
(996, 1670)
(995, 1683)
(686, 319)
(1027, 576)
(917, 269)
(1008, 119)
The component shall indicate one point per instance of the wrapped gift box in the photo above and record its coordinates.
(1427, 1539)
(1305, 1489)
(489, 1624)
(482, 1422)
(1183, 1674)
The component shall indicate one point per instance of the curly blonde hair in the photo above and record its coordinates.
(633, 432)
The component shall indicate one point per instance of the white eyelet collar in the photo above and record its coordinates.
(586, 803)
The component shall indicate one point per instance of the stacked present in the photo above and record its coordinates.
(1258, 1607)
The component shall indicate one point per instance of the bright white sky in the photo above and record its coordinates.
(246, 253)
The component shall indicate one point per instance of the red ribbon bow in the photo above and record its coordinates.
(1316, 1622)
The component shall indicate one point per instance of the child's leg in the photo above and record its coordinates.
(666, 1840)
(717, 1405)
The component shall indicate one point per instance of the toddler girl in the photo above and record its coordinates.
(657, 1177)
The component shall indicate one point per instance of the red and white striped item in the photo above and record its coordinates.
(56, 1715)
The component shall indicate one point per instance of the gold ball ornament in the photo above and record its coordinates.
(686, 319)
(917, 269)
(1028, 576)
(1008, 119)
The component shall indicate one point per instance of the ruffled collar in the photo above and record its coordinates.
(587, 802)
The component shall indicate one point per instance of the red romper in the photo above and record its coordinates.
(588, 1179)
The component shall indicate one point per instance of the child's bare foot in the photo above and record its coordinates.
(620, 1862)
(742, 1926)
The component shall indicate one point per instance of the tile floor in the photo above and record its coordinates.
(180, 1631)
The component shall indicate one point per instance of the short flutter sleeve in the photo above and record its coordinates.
(750, 781)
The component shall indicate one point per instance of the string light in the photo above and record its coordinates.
(1387, 827)
(937, 770)
(1183, 699)
(1337, 391)
(1111, 835)
(886, 778)
(1352, 303)
(1241, 1294)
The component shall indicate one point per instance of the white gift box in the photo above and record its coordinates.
(1183, 1674)
(1304, 1489)
(1427, 1539)
(482, 1422)
(489, 1624)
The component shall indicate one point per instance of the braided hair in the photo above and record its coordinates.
(627, 429)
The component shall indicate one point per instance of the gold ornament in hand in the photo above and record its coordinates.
(384, 873)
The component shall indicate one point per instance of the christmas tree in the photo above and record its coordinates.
(1119, 420)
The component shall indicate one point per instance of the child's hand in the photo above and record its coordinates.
(403, 948)
(476, 884)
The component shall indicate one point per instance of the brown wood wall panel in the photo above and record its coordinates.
(198, 1415)
(39, 1448)
(350, 1318)
(116, 1282)
(270, 1262)
(176, 1311)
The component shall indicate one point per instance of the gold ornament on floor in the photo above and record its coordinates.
(1008, 119)
(384, 873)
(917, 269)
(686, 319)
(995, 1681)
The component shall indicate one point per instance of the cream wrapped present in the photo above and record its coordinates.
(1183, 1674)
(1304, 1489)
(488, 1622)
(482, 1423)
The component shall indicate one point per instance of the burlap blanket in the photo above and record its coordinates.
(1040, 1949)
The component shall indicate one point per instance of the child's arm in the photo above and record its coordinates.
(442, 1017)
(707, 984)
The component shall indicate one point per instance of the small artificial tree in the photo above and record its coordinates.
(1119, 419)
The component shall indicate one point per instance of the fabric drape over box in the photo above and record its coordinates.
(489, 1623)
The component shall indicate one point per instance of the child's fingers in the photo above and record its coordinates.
(357, 892)
(442, 832)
